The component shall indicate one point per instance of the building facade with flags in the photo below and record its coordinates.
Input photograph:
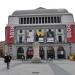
(54, 29)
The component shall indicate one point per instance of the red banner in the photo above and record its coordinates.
(71, 33)
(9, 35)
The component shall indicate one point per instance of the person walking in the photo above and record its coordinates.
(7, 59)
(23, 58)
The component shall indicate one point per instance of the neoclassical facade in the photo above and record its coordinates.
(52, 28)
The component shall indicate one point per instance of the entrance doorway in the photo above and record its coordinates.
(20, 53)
(41, 52)
(61, 52)
(50, 53)
(29, 53)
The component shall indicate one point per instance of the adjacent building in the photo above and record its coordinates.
(54, 29)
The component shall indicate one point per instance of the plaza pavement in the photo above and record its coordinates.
(55, 67)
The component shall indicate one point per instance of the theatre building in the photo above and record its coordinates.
(54, 29)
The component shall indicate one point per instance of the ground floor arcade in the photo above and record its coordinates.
(46, 51)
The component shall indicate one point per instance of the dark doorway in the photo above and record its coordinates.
(50, 53)
(29, 53)
(61, 52)
(41, 52)
(20, 53)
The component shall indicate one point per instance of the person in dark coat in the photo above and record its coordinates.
(7, 59)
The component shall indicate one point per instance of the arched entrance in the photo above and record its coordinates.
(61, 52)
(29, 53)
(41, 52)
(50, 53)
(20, 53)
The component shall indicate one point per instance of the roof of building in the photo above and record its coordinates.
(39, 10)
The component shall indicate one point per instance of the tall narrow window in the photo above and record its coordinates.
(48, 19)
(60, 38)
(55, 20)
(33, 20)
(39, 19)
(36, 20)
(27, 20)
(42, 19)
(58, 19)
(24, 20)
(45, 19)
(51, 19)
(20, 39)
(21, 20)
(30, 20)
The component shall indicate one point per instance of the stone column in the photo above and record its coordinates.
(36, 58)
(45, 52)
(55, 48)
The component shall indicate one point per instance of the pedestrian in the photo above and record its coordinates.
(23, 58)
(7, 59)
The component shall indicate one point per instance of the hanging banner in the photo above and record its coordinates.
(50, 35)
(30, 36)
(9, 35)
(70, 33)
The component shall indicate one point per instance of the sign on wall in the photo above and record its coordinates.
(70, 33)
(9, 35)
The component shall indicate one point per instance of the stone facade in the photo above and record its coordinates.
(46, 26)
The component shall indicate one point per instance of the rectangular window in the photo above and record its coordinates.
(30, 20)
(42, 19)
(24, 20)
(60, 38)
(55, 20)
(39, 19)
(58, 19)
(48, 19)
(36, 20)
(27, 20)
(21, 20)
(33, 20)
(45, 19)
(51, 19)
(20, 39)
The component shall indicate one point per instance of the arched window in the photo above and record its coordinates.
(61, 52)
(50, 53)
(20, 52)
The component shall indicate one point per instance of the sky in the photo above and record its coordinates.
(7, 7)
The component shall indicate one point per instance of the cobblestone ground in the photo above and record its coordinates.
(55, 67)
